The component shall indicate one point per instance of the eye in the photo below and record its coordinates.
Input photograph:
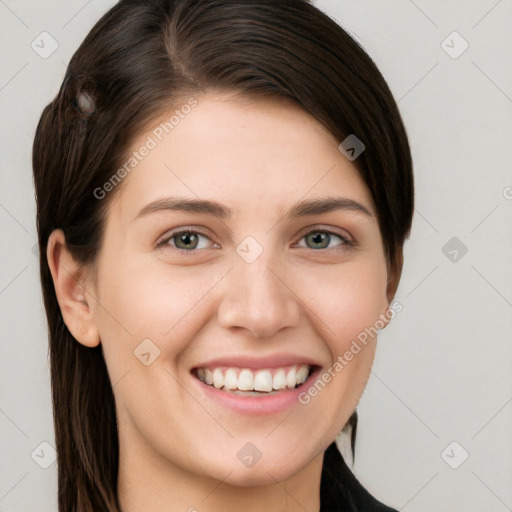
(190, 241)
(186, 240)
(320, 239)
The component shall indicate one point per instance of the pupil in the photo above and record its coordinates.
(319, 238)
(186, 239)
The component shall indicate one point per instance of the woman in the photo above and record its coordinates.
(223, 192)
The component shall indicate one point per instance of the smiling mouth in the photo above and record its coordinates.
(254, 382)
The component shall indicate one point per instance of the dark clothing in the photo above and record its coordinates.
(340, 491)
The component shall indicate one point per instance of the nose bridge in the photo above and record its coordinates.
(255, 295)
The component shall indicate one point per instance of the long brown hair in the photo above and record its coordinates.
(138, 59)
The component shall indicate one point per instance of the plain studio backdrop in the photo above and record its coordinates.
(436, 417)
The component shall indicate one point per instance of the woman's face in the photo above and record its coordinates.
(261, 285)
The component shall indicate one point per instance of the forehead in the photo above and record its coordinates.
(241, 151)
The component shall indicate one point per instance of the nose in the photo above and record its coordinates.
(259, 298)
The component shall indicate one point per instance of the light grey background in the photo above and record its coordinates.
(443, 368)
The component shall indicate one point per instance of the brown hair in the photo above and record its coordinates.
(138, 59)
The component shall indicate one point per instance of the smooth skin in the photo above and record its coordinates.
(259, 157)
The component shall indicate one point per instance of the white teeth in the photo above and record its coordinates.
(244, 380)
(291, 379)
(230, 379)
(218, 378)
(302, 374)
(279, 381)
(263, 381)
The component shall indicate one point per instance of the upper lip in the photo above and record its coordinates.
(270, 361)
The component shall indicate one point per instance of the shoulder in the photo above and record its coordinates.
(342, 491)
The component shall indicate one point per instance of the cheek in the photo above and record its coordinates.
(347, 305)
(144, 300)
(349, 302)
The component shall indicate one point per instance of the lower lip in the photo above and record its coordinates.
(256, 405)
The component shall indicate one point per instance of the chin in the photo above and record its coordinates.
(259, 476)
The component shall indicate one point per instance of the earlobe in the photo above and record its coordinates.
(67, 275)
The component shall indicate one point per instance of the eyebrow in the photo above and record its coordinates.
(301, 209)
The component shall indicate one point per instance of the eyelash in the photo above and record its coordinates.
(346, 243)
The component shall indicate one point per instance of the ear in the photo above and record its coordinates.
(69, 284)
(394, 274)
